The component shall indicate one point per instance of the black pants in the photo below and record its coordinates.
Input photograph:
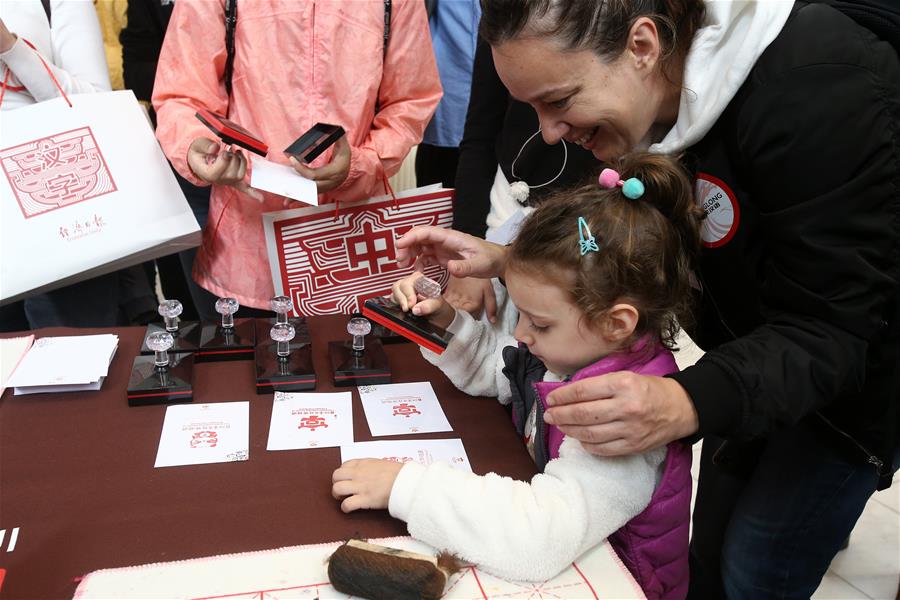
(436, 164)
(122, 297)
(770, 528)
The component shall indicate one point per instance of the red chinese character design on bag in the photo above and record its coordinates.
(371, 251)
(56, 171)
(332, 263)
(312, 422)
(207, 439)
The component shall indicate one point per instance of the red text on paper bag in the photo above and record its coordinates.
(334, 264)
(56, 171)
(81, 228)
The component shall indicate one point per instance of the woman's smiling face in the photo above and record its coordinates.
(606, 107)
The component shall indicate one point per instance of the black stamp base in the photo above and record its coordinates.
(220, 344)
(167, 385)
(293, 373)
(370, 368)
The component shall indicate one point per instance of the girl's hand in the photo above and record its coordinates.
(436, 310)
(210, 163)
(472, 295)
(364, 483)
(332, 175)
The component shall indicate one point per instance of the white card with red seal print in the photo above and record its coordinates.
(402, 408)
(199, 434)
(423, 452)
(301, 420)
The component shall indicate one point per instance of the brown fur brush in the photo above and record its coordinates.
(381, 573)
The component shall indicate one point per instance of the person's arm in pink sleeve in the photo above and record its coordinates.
(409, 94)
(188, 77)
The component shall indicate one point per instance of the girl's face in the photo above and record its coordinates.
(552, 326)
(607, 108)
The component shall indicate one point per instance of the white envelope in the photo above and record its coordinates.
(56, 389)
(282, 180)
(65, 361)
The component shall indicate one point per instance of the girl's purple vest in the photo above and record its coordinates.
(654, 544)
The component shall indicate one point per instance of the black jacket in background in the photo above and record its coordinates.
(142, 40)
(800, 312)
(496, 127)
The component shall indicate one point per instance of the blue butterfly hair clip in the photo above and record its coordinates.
(586, 241)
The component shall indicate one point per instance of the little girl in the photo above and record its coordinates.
(600, 277)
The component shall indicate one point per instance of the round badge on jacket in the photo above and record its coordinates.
(722, 211)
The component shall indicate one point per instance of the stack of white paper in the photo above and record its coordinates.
(65, 364)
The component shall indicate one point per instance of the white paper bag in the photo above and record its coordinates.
(84, 190)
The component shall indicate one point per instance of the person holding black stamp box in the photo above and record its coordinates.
(365, 66)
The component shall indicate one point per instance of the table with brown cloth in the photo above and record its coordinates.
(77, 475)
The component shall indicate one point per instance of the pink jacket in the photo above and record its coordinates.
(295, 63)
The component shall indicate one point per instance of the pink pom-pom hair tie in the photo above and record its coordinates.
(632, 188)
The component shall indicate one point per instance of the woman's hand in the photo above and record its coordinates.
(472, 295)
(364, 483)
(331, 175)
(436, 310)
(622, 413)
(462, 254)
(7, 38)
(209, 163)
